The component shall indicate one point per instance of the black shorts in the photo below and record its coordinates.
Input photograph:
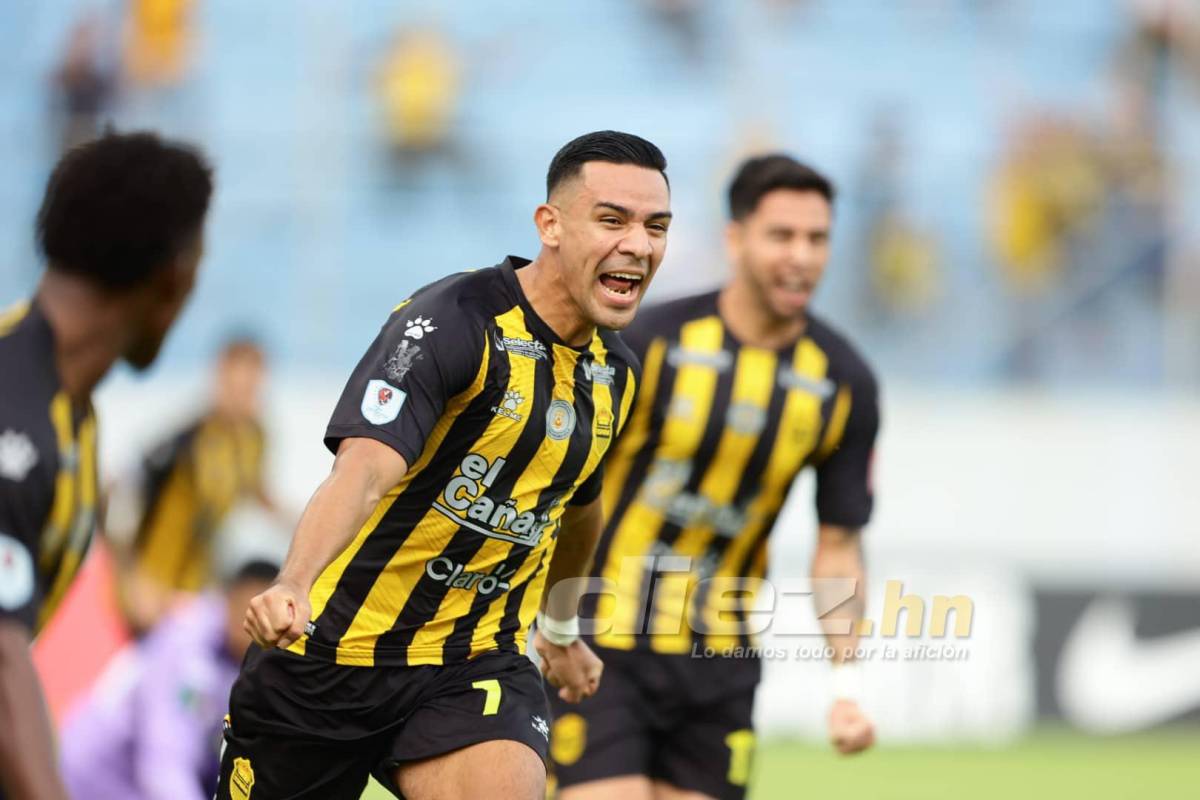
(303, 728)
(685, 721)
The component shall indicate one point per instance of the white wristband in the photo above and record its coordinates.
(847, 681)
(559, 632)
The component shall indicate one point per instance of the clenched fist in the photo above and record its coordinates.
(574, 670)
(849, 728)
(277, 617)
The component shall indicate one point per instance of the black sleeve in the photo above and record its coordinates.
(25, 498)
(426, 353)
(844, 492)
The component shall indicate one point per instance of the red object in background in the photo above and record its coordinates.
(84, 634)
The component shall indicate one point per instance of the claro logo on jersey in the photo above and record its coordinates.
(450, 573)
(465, 501)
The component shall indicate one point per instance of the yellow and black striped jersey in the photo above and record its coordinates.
(191, 483)
(48, 481)
(718, 434)
(501, 423)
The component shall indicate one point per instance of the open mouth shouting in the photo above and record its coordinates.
(622, 287)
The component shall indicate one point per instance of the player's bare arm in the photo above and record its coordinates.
(839, 555)
(363, 471)
(570, 665)
(27, 762)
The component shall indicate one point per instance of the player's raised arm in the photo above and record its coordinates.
(362, 473)
(567, 661)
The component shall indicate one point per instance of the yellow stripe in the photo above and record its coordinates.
(83, 522)
(168, 533)
(753, 384)
(327, 581)
(687, 413)
(11, 316)
(799, 425)
(617, 468)
(837, 425)
(58, 524)
(501, 436)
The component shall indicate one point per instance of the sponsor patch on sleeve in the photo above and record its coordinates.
(382, 402)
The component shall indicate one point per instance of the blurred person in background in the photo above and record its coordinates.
(190, 484)
(121, 229)
(84, 85)
(159, 41)
(418, 88)
(464, 492)
(742, 389)
(151, 727)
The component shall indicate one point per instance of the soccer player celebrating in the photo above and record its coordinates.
(468, 443)
(742, 388)
(121, 228)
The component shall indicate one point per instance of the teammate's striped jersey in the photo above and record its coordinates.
(48, 481)
(191, 483)
(718, 434)
(501, 423)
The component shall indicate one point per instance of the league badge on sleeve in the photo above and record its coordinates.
(382, 402)
(16, 573)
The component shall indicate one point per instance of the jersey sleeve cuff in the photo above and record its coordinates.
(334, 435)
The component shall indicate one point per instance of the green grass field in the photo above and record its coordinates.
(1050, 764)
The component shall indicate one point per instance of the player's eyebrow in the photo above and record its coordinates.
(623, 211)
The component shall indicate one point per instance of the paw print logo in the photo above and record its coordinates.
(417, 328)
(512, 399)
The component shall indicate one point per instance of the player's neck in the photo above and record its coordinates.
(743, 313)
(87, 332)
(546, 292)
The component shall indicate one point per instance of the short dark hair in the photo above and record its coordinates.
(763, 174)
(613, 147)
(122, 206)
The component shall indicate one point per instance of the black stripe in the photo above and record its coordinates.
(465, 543)
(393, 529)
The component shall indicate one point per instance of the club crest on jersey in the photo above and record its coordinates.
(560, 420)
(382, 402)
(464, 500)
(17, 455)
(601, 374)
(402, 360)
(604, 423)
(241, 780)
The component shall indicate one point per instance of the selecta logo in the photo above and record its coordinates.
(450, 573)
(465, 500)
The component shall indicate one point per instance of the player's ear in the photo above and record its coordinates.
(548, 220)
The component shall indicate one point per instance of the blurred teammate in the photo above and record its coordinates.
(191, 483)
(467, 480)
(151, 727)
(742, 388)
(121, 228)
